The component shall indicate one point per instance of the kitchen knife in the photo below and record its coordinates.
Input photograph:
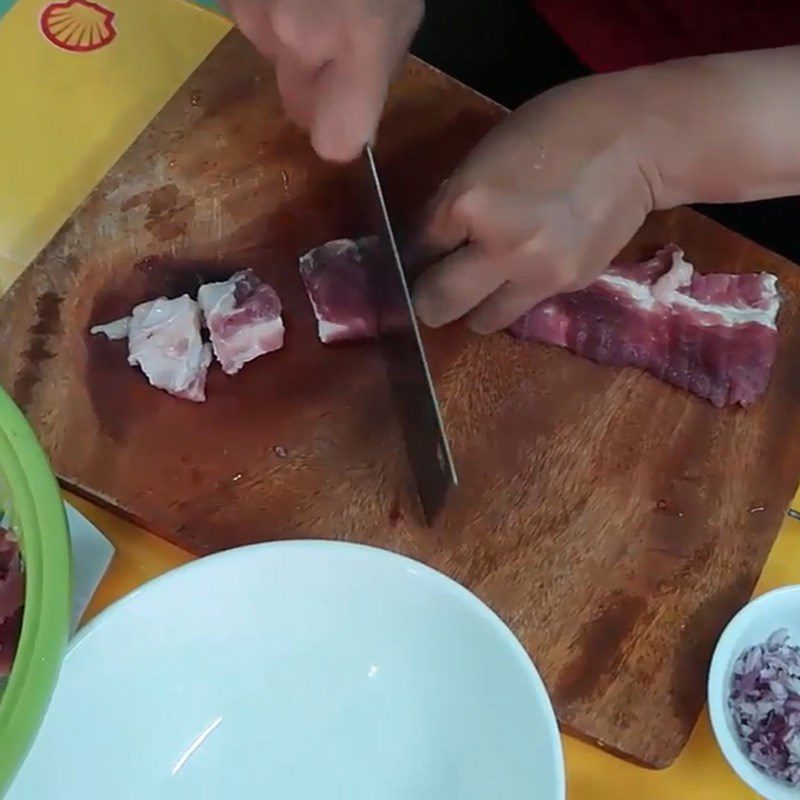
(404, 355)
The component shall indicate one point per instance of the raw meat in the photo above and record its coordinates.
(243, 316)
(118, 329)
(714, 335)
(12, 596)
(336, 280)
(10, 631)
(164, 340)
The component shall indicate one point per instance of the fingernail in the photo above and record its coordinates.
(480, 327)
(422, 315)
(333, 151)
(423, 312)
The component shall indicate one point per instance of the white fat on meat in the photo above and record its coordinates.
(243, 316)
(666, 292)
(164, 340)
(118, 329)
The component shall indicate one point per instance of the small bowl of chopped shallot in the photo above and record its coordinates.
(754, 694)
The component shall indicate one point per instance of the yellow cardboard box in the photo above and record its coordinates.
(78, 82)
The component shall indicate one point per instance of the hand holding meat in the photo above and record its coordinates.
(541, 207)
(550, 197)
(334, 60)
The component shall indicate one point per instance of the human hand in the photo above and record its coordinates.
(540, 207)
(334, 60)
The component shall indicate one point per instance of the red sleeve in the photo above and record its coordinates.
(614, 34)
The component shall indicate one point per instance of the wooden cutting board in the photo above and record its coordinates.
(614, 522)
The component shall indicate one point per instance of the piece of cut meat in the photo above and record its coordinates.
(10, 631)
(10, 576)
(336, 281)
(715, 335)
(118, 329)
(165, 341)
(12, 596)
(243, 316)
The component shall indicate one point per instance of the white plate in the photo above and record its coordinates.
(297, 671)
(91, 555)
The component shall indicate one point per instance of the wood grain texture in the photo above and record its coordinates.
(614, 522)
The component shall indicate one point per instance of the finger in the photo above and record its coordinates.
(295, 66)
(501, 309)
(308, 29)
(349, 99)
(444, 225)
(296, 85)
(352, 88)
(506, 305)
(452, 287)
(253, 18)
(503, 221)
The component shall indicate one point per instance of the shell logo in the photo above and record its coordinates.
(78, 26)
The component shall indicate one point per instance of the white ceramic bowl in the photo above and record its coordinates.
(297, 670)
(752, 625)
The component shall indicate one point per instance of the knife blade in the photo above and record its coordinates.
(407, 369)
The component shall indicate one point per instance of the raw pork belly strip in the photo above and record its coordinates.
(12, 595)
(243, 316)
(714, 335)
(335, 278)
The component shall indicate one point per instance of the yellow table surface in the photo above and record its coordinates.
(66, 118)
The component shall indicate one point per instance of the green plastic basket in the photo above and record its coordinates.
(33, 509)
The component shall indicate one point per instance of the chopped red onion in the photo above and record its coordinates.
(765, 704)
